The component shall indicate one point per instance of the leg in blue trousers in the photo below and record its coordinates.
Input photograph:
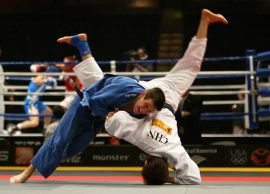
(75, 122)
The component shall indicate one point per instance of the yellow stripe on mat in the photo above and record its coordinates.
(202, 169)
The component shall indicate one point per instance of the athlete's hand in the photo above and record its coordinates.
(110, 114)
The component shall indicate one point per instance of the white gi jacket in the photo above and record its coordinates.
(156, 134)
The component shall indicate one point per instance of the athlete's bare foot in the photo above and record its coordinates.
(67, 39)
(24, 176)
(212, 17)
(80, 42)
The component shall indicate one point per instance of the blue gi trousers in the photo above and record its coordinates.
(76, 129)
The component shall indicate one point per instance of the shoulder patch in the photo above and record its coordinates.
(130, 95)
(161, 125)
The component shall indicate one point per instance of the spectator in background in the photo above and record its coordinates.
(33, 105)
(69, 80)
(142, 55)
(139, 54)
(239, 125)
(188, 117)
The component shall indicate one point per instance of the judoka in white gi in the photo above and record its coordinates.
(157, 133)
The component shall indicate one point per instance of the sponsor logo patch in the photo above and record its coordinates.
(161, 125)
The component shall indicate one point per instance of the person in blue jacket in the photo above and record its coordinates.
(86, 115)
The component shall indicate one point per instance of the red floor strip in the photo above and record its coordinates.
(139, 178)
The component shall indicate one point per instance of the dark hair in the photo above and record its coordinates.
(158, 97)
(58, 111)
(155, 171)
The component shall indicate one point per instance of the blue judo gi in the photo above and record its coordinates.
(80, 123)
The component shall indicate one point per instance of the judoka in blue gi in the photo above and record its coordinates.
(83, 119)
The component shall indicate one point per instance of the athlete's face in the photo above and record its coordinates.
(144, 106)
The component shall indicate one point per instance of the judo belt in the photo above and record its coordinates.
(168, 106)
(78, 91)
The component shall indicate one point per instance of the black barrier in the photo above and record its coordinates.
(35, 141)
(7, 155)
(230, 156)
(19, 151)
(204, 156)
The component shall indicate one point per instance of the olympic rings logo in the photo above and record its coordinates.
(239, 157)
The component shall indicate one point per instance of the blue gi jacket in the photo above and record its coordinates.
(33, 87)
(109, 93)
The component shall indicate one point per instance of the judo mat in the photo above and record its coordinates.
(117, 181)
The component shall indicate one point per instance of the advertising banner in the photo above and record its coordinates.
(20, 151)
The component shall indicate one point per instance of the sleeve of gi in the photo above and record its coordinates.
(88, 72)
(186, 170)
(181, 77)
(115, 94)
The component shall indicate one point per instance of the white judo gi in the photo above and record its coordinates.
(156, 134)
